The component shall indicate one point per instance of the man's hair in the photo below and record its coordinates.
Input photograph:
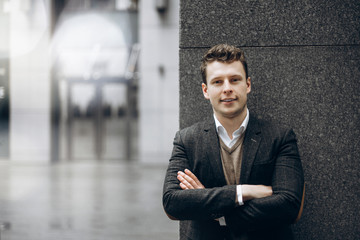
(222, 53)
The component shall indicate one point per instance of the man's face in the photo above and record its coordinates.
(227, 89)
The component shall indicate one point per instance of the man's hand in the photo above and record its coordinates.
(188, 180)
(255, 191)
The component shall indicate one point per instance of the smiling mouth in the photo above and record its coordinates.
(228, 100)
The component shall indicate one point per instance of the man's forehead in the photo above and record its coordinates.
(223, 68)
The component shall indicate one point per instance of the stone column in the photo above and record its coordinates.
(304, 61)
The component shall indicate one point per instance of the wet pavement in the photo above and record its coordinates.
(90, 200)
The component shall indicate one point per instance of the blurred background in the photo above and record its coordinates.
(88, 111)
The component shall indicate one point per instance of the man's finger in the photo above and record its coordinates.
(184, 181)
(192, 176)
(193, 182)
(183, 186)
(189, 180)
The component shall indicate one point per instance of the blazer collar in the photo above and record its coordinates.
(212, 149)
(251, 143)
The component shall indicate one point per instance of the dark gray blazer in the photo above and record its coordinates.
(270, 158)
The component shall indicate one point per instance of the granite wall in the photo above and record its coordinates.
(304, 61)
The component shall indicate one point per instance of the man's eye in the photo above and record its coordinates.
(236, 80)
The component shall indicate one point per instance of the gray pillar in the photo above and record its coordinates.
(304, 61)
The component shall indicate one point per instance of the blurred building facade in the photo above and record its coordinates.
(27, 33)
(88, 79)
(159, 84)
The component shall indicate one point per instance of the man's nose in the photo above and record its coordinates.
(227, 87)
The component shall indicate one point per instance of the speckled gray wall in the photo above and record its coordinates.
(304, 61)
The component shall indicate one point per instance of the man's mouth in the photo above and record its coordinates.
(228, 100)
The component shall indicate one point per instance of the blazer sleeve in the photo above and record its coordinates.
(287, 183)
(192, 204)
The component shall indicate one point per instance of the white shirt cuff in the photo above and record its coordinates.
(222, 221)
(239, 195)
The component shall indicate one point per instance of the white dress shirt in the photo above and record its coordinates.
(229, 143)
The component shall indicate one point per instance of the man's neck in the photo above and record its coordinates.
(231, 124)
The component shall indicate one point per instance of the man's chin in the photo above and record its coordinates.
(232, 114)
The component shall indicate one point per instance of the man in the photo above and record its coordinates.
(236, 176)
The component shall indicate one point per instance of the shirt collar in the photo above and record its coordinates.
(239, 131)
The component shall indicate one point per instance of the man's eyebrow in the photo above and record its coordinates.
(216, 78)
(237, 75)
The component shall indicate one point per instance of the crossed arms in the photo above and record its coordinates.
(188, 180)
(188, 197)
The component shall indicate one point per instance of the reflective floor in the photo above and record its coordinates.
(83, 200)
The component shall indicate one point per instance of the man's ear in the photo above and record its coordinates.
(205, 90)
(248, 83)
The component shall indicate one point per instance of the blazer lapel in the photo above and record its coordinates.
(211, 142)
(251, 144)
